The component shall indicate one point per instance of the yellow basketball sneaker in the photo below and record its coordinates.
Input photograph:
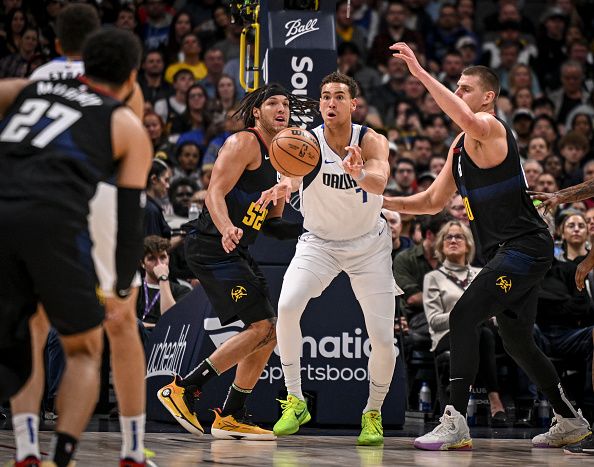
(236, 427)
(294, 415)
(179, 402)
(372, 431)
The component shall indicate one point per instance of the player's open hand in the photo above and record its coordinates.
(549, 201)
(231, 237)
(353, 162)
(279, 191)
(583, 269)
(404, 52)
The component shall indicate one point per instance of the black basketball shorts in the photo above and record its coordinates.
(233, 281)
(45, 254)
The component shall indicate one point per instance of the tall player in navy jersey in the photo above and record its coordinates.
(341, 201)
(483, 164)
(74, 24)
(59, 140)
(217, 253)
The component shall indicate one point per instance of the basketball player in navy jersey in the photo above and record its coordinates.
(74, 24)
(58, 140)
(483, 165)
(341, 201)
(217, 253)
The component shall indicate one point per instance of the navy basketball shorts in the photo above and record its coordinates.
(233, 282)
(45, 253)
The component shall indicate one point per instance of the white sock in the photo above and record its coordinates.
(26, 435)
(132, 437)
(377, 394)
(293, 379)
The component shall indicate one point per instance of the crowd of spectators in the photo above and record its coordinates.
(189, 78)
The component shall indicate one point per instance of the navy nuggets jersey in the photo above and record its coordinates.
(241, 200)
(334, 207)
(495, 199)
(55, 144)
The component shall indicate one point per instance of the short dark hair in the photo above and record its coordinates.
(74, 24)
(153, 244)
(488, 78)
(182, 71)
(111, 54)
(337, 77)
(182, 181)
(433, 223)
(576, 139)
(406, 160)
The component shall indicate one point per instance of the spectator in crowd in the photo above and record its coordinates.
(214, 59)
(452, 66)
(436, 163)
(19, 64)
(158, 293)
(151, 81)
(466, 12)
(573, 231)
(181, 25)
(172, 107)
(385, 97)
(437, 129)
(205, 173)
(231, 124)
(457, 210)
(350, 63)
(538, 149)
(215, 29)
(195, 120)
(522, 77)
(523, 99)
(551, 47)
(393, 29)
(155, 30)
(547, 183)
(365, 17)
(445, 33)
(399, 242)
(573, 147)
(156, 190)
(507, 11)
(468, 48)
(543, 106)
(553, 164)
(347, 31)
(366, 115)
(571, 93)
(187, 157)
(180, 194)
(442, 288)
(589, 215)
(425, 180)
(522, 120)
(421, 153)
(581, 122)
(15, 24)
(405, 176)
(588, 174)
(225, 97)
(126, 19)
(532, 169)
(191, 49)
(155, 127)
(545, 126)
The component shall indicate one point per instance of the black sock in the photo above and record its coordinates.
(235, 401)
(200, 375)
(63, 447)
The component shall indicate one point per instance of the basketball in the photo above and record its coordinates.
(294, 152)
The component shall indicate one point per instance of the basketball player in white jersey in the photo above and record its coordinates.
(75, 23)
(341, 202)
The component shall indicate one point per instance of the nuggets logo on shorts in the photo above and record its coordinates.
(238, 292)
(504, 283)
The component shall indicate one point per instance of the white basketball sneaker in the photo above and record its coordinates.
(452, 433)
(563, 431)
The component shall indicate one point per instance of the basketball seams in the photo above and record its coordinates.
(287, 153)
(272, 156)
(292, 155)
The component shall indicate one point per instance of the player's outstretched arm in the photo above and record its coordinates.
(431, 201)
(368, 165)
(281, 191)
(480, 126)
(571, 194)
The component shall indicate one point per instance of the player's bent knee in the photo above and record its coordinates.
(88, 343)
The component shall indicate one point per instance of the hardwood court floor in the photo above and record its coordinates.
(181, 450)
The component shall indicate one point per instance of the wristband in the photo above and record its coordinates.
(362, 176)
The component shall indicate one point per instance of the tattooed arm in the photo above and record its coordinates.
(567, 195)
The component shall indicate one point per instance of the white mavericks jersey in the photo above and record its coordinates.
(59, 68)
(333, 206)
(103, 206)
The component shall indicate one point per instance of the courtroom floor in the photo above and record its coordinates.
(313, 447)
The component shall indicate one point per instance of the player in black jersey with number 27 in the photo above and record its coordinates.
(217, 252)
(483, 165)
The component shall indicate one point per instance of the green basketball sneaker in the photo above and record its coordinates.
(372, 432)
(294, 415)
